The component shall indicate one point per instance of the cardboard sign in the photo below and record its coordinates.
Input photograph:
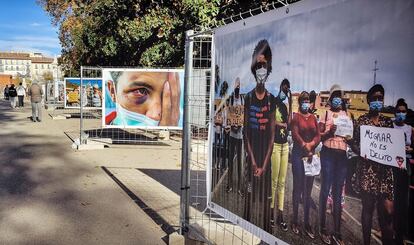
(73, 97)
(344, 126)
(235, 115)
(383, 145)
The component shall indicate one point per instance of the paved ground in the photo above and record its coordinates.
(52, 194)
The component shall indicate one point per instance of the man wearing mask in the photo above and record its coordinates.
(144, 98)
(236, 138)
(259, 132)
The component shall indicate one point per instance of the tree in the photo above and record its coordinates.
(132, 32)
(47, 76)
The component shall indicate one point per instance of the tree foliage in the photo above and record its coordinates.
(47, 76)
(132, 32)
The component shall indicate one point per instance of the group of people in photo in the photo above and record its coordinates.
(92, 96)
(257, 153)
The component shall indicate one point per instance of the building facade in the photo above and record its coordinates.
(34, 66)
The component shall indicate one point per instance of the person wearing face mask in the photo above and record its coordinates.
(259, 131)
(235, 144)
(280, 152)
(401, 176)
(144, 98)
(334, 165)
(306, 137)
(375, 180)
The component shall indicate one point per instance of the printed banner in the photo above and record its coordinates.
(285, 69)
(143, 98)
(92, 93)
(383, 145)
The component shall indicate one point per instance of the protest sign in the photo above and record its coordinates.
(235, 115)
(344, 126)
(383, 145)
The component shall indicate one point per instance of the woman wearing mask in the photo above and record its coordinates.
(281, 151)
(375, 180)
(259, 133)
(401, 177)
(305, 134)
(333, 164)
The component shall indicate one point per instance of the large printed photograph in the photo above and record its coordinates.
(92, 93)
(313, 136)
(143, 98)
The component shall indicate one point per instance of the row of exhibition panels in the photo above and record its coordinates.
(132, 98)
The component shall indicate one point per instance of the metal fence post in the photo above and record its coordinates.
(186, 137)
(81, 109)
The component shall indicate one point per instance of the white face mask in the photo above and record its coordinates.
(130, 118)
(261, 75)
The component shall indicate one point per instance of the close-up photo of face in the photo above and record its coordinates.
(141, 92)
(146, 98)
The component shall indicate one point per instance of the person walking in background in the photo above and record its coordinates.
(36, 93)
(6, 92)
(306, 137)
(281, 151)
(20, 95)
(259, 133)
(401, 176)
(334, 164)
(13, 96)
(374, 179)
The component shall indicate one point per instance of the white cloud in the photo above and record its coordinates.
(46, 45)
(35, 24)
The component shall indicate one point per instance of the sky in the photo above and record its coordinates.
(25, 26)
(335, 44)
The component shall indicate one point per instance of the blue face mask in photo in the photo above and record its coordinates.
(130, 118)
(282, 96)
(336, 102)
(305, 107)
(376, 105)
(400, 116)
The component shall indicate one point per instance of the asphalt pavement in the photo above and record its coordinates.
(53, 194)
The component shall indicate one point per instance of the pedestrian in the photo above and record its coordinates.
(375, 180)
(401, 176)
(280, 152)
(306, 137)
(36, 93)
(259, 133)
(6, 92)
(21, 91)
(13, 96)
(235, 144)
(334, 164)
